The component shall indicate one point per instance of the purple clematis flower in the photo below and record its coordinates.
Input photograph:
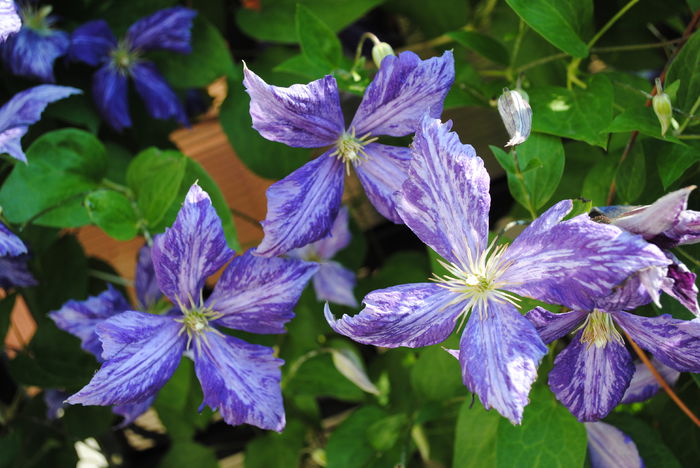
(141, 351)
(333, 282)
(31, 52)
(23, 110)
(667, 223)
(445, 201)
(609, 447)
(93, 43)
(591, 375)
(10, 21)
(13, 261)
(302, 206)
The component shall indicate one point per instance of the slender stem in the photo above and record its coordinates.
(294, 368)
(667, 388)
(51, 208)
(110, 278)
(623, 156)
(540, 61)
(628, 47)
(246, 217)
(522, 28)
(363, 38)
(691, 116)
(688, 256)
(521, 179)
(688, 137)
(435, 42)
(611, 22)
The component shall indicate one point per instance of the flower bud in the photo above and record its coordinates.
(516, 115)
(661, 103)
(379, 51)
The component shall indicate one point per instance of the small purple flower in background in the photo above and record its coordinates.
(445, 201)
(667, 223)
(93, 43)
(141, 351)
(24, 109)
(31, 52)
(13, 261)
(333, 282)
(301, 207)
(591, 375)
(10, 22)
(609, 447)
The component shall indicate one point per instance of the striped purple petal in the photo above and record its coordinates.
(338, 239)
(499, 354)
(130, 412)
(404, 90)
(146, 284)
(551, 326)
(589, 379)
(676, 343)
(80, 318)
(335, 283)
(92, 42)
(167, 29)
(161, 101)
(258, 294)
(191, 250)
(9, 19)
(14, 272)
(10, 244)
(686, 230)
(141, 351)
(241, 380)
(573, 262)
(382, 175)
(301, 207)
(445, 200)
(31, 54)
(644, 385)
(306, 116)
(110, 92)
(609, 447)
(411, 315)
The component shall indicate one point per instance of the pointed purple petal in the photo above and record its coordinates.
(146, 283)
(404, 90)
(573, 262)
(132, 411)
(306, 116)
(683, 287)
(339, 236)
(590, 380)
(31, 54)
(141, 352)
(674, 342)
(609, 447)
(258, 294)
(687, 230)
(334, 283)
(644, 385)
(445, 200)
(15, 272)
(160, 99)
(80, 318)
(301, 207)
(109, 90)
(655, 219)
(382, 175)
(412, 315)
(191, 250)
(10, 244)
(92, 42)
(10, 22)
(168, 29)
(241, 380)
(25, 109)
(551, 326)
(499, 355)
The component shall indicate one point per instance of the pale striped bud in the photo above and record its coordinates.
(516, 115)
(379, 51)
(661, 103)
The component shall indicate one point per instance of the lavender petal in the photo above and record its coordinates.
(382, 175)
(334, 283)
(15, 272)
(609, 447)
(338, 239)
(109, 90)
(10, 244)
(655, 219)
(161, 101)
(167, 29)
(10, 21)
(146, 284)
(31, 54)
(92, 42)
(644, 385)
(551, 326)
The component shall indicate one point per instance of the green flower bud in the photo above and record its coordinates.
(379, 51)
(661, 103)
(516, 115)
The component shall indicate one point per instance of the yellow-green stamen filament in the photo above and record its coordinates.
(351, 149)
(599, 329)
(195, 321)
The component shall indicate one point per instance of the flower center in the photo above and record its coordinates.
(351, 149)
(195, 322)
(478, 281)
(37, 19)
(599, 329)
(123, 57)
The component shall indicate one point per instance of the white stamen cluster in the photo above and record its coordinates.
(599, 329)
(351, 149)
(478, 281)
(195, 321)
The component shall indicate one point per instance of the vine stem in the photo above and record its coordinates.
(691, 116)
(521, 179)
(667, 388)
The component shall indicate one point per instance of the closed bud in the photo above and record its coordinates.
(661, 103)
(379, 51)
(516, 115)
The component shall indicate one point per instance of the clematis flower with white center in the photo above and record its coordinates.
(445, 201)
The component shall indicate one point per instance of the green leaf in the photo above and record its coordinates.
(384, 433)
(209, 59)
(272, 21)
(581, 114)
(64, 166)
(475, 438)
(685, 68)
(272, 449)
(319, 43)
(301, 65)
(541, 162)
(596, 184)
(82, 422)
(671, 160)
(631, 175)
(648, 441)
(266, 158)
(550, 436)
(436, 365)
(77, 110)
(432, 18)
(349, 363)
(318, 376)
(482, 44)
(641, 119)
(348, 446)
(186, 454)
(113, 213)
(155, 177)
(559, 21)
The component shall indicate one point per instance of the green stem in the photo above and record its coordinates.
(521, 179)
(688, 256)
(522, 28)
(358, 51)
(690, 117)
(110, 278)
(51, 208)
(128, 193)
(117, 187)
(294, 368)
